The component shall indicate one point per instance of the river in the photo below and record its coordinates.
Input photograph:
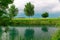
(39, 34)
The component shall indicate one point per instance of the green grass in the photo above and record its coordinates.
(36, 21)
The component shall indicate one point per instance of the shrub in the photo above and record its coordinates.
(56, 36)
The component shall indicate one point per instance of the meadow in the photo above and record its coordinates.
(35, 22)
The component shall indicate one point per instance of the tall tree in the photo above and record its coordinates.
(3, 12)
(29, 9)
(6, 13)
(13, 11)
(45, 15)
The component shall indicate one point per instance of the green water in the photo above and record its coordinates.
(39, 34)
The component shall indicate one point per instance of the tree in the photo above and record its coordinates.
(4, 21)
(4, 3)
(6, 13)
(29, 9)
(13, 33)
(13, 11)
(5, 16)
(56, 36)
(45, 15)
(3, 12)
(29, 33)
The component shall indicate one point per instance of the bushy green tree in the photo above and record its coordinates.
(56, 36)
(3, 12)
(13, 11)
(45, 15)
(6, 13)
(29, 33)
(29, 9)
(4, 5)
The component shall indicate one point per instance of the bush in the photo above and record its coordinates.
(45, 15)
(56, 36)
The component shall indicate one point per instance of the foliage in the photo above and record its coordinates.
(4, 21)
(5, 3)
(35, 22)
(56, 36)
(6, 13)
(45, 14)
(13, 11)
(29, 9)
(3, 12)
(29, 33)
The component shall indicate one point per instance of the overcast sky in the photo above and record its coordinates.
(51, 6)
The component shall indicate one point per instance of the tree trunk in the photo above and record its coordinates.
(29, 22)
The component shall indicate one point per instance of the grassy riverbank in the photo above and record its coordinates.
(36, 21)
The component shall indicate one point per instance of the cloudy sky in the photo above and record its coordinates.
(51, 6)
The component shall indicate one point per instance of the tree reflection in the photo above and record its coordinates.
(45, 29)
(29, 33)
(1, 32)
(13, 34)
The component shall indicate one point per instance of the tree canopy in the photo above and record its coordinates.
(7, 13)
(13, 11)
(5, 3)
(45, 14)
(29, 9)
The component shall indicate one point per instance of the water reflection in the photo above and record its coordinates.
(24, 33)
(29, 34)
(0, 32)
(13, 33)
(44, 28)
